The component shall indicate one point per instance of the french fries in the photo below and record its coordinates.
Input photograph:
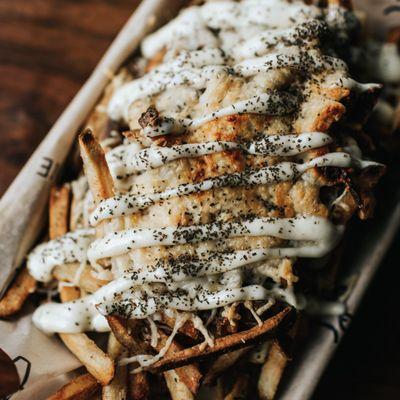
(189, 375)
(69, 293)
(81, 388)
(177, 389)
(17, 293)
(119, 327)
(187, 329)
(240, 388)
(178, 358)
(271, 372)
(101, 186)
(139, 388)
(86, 350)
(138, 382)
(223, 362)
(90, 355)
(343, 3)
(117, 389)
(87, 282)
(228, 343)
(213, 183)
(95, 166)
(59, 205)
(58, 211)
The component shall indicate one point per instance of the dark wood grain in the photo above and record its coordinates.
(47, 50)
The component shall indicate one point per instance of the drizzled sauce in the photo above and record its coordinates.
(301, 228)
(220, 40)
(296, 58)
(128, 204)
(198, 68)
(130, 159)
(301, 34)
(273, 103)
(69, 248)
(243, 39)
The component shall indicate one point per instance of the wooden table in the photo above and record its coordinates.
(47, 50)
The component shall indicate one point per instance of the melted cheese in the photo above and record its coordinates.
(299, 228)
(129, 159)
(122, 205)
(70, 248)
(222, 40)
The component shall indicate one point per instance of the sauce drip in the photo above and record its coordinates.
(128, 204)
(130, 159)
(252, 43)
(69, 248)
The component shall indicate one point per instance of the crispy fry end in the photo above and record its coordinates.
(17, 294)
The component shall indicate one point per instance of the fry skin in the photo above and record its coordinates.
(59, 205)
(95, 166)
(139, 387)
(17, 293)
(117, 388)
(228, 343)
(81, 388)
(177, 389)
(271, 372)
(91, 356)
(189, 374)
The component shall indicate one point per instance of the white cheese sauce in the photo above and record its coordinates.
(219, 40)
(234, 38)
(273, 103)
(130, 159)
(118, 296)
(295, 59)
(301, 34)
(79, 315)
(128, 204)
(299, 228)
(69, 248)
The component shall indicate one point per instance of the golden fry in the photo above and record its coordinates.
(59, 211)
(17, 293)
(271, 372)
(90, 355)
(189, 374)
(81, 388)
(86, 350)
(95, 166)
(117, 388)
(87, 282)
(139, 387)
(228, 343)
(177, 389)
(343, 3)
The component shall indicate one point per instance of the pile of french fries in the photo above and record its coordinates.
(188, 363)
(180, 367)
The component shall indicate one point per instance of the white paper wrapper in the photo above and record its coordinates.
(43, 363)
(39, 359)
